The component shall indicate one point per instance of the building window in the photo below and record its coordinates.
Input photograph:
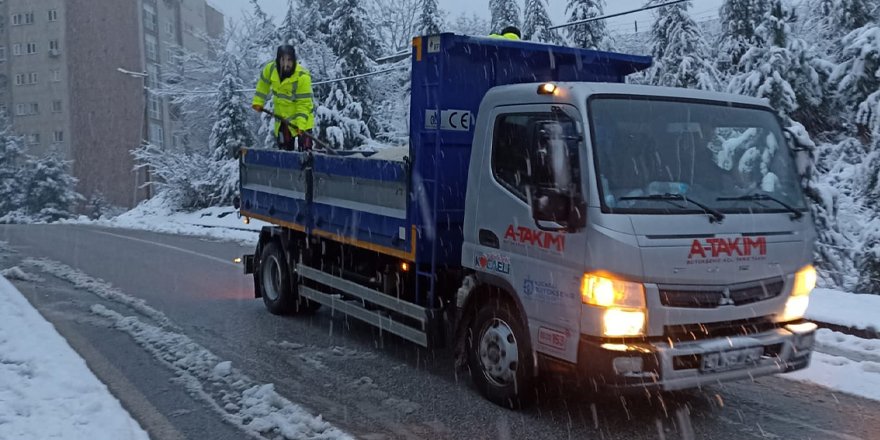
(53, 15)
(20, 79)
(16, 49)
(34, 108)
(56, 106)
(29, 18)
(149, 17)
(55, 75)
(152, 48)
(152, 76)
(157, 134)
(58, 136)
(53, 45)
(2, 53)
(169, 27)
(31, 48)
(32, 78)
(170, 55)
(20, 110)
(154, 107)
(3, 109)
(17, 19)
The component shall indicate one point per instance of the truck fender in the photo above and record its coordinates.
(467, 305)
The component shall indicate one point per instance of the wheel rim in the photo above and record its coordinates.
(498, 353)
(271, 277)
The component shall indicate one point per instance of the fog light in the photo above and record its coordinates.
(795, 308)
(619, 322)
(627, 365)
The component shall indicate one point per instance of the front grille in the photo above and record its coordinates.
(695, 332)
(712, 298)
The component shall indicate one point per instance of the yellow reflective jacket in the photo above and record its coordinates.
(509, 36)
(293, 96)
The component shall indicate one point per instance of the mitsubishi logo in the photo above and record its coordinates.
(725, 298)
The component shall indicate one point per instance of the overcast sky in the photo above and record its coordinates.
(701, 10)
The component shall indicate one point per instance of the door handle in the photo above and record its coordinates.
(488, 238)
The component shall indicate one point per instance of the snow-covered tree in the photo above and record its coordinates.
(857, 80)
(592, 35)
(536, 23)
(12, 173)
(848, 15)
(288, 31)
(470, 25)
(396, 22)
(189, 181)
(681, 54)
(779, 67)
(49, 190)
(429, 18)
(739, 22)
(231, 131)
(355, 47)
(503, 13)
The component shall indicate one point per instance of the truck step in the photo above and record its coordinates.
(369, 316)
(356, 310)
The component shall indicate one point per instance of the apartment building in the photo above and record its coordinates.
(72, 81)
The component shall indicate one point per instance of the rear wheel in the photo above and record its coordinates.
(499, 356)
(278, 292)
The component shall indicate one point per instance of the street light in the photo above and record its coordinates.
(145, 130)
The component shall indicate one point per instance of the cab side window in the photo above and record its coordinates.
(535, 150)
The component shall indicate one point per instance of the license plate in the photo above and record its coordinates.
(731, 359)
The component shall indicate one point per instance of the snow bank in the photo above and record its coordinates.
(46, 389)
(155, 215)
(856, 372)
(843, 308)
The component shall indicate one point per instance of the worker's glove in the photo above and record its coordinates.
(257, 107)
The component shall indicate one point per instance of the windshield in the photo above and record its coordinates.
(732, 159)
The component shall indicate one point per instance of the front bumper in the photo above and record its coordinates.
(675, 366)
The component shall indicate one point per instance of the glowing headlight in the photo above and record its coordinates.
(619, 322)
(804, 281)
(602, 291)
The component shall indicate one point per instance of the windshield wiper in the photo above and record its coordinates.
(795, 213)
(714, 214)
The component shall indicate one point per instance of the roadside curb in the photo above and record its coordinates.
(869, 333)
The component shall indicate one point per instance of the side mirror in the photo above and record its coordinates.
(800, 151)
(557, 210)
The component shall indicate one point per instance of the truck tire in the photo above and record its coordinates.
(500, 356)
(278, 292)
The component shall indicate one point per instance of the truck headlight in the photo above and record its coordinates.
(624, 302)
(804, 282)
(621, 322)
(603, 291)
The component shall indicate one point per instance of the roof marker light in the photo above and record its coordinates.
(547, 89)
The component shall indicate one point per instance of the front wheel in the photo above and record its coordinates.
(499, 356)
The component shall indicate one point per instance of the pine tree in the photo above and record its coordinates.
(355, 47)
(504, 13)
(231, 131)
(49, 191)
(779, 68)
(288, 30)
(848, 15)
(739, 22)
(12, 173)
(537, 22)
(429, 19)
(681, 54)
(856, 79)
(592, 35)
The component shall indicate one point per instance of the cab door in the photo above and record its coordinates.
(536, 160)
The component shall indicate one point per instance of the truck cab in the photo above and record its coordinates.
(650, 237)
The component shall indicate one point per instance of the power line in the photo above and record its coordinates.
(604, 17)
